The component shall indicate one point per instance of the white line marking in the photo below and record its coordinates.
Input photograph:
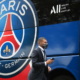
(2, 1)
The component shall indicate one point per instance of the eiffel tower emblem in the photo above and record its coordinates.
(9, 36)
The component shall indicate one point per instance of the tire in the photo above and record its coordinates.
(63, 77)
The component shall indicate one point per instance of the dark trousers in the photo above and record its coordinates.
(38, 78)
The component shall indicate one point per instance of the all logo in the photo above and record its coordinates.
(18, 34)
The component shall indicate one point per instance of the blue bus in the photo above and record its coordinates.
(22, 22)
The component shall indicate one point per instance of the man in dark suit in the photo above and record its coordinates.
(40, 68)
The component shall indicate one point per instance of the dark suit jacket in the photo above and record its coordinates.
(38, 69)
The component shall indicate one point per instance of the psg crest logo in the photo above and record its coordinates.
(18, 34)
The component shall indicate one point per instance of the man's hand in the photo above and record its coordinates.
(49, 61)
(49, 69)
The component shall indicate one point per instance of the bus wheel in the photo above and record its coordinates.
(63, 77)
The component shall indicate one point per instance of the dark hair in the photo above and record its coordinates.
(40, 39)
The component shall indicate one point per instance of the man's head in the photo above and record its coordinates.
(42, 42)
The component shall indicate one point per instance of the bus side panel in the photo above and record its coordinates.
(70, 63)
(62, 38)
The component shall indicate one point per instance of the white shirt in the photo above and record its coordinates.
(42, 53)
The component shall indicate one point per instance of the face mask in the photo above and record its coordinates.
(45, 45)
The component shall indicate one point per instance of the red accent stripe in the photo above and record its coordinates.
(8, 24)
(21, 76)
